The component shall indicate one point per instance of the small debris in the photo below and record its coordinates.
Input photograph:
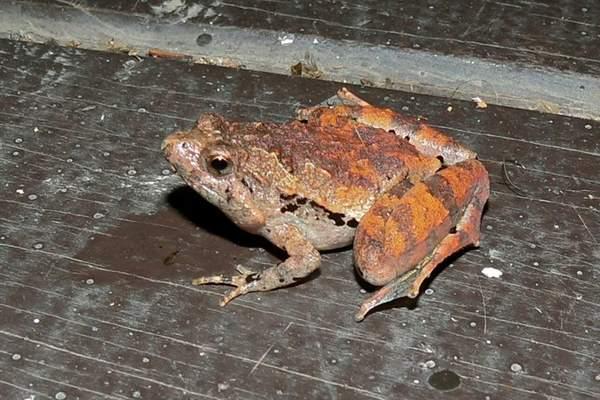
(479, 103)
(172, 55)
(548, 107)
(449, 109)
(222, 387)
(16, 357)
(89, 281)
(286, 39)
(491, 272)
(118, 47)
(307, 68)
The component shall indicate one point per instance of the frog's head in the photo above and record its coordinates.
(209, 163)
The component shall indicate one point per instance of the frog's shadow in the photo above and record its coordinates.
(204, 215)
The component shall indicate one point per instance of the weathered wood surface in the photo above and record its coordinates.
(541, 55)
(99, 243)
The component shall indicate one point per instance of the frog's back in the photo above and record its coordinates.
(342, 166)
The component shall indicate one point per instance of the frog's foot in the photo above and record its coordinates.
(241, 282)
(408, 285)
(302, 261)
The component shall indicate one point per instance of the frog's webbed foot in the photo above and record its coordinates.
(242, 282)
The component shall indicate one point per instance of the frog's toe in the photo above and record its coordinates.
(232, 294)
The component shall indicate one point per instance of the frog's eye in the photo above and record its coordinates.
(219, 165)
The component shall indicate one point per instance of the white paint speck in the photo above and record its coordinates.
(98, 216)
(16, 357)
(363, 291)
(145, 360)
(222, 387)
(472, 324)
(166, 172)
(588, 126)
(597, 378)
(491, 272)
(38, 246)
(516, 368)
(429, 291)
(89, 281)
(136, 394)
(32, 197)
(579, 273)
(19, 140)
(429, 364)
(315, 41)
(60, 396)
(286, 39)
(20, 191)
(131, 172)
(36, 320)
(36, 129)
(416, 381)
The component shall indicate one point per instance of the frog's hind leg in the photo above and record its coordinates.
(462, 190)
(408, 285)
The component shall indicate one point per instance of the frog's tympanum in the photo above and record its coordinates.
(406, 195)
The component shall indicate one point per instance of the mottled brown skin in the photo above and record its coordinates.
(407, 195)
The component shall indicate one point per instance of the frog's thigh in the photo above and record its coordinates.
(403, 230)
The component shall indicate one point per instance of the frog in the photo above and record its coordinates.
(405, 195)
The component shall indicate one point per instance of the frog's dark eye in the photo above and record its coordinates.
(220, 165)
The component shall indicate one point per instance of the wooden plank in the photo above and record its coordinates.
(99, 243)
(532, 55)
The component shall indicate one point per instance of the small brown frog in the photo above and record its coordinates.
(404, 193)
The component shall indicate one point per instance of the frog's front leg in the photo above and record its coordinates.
(407, 233)
(303, 259)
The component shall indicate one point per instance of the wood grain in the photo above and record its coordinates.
(99, 243)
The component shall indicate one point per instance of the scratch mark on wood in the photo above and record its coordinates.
(585, 226)
(261, 359)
